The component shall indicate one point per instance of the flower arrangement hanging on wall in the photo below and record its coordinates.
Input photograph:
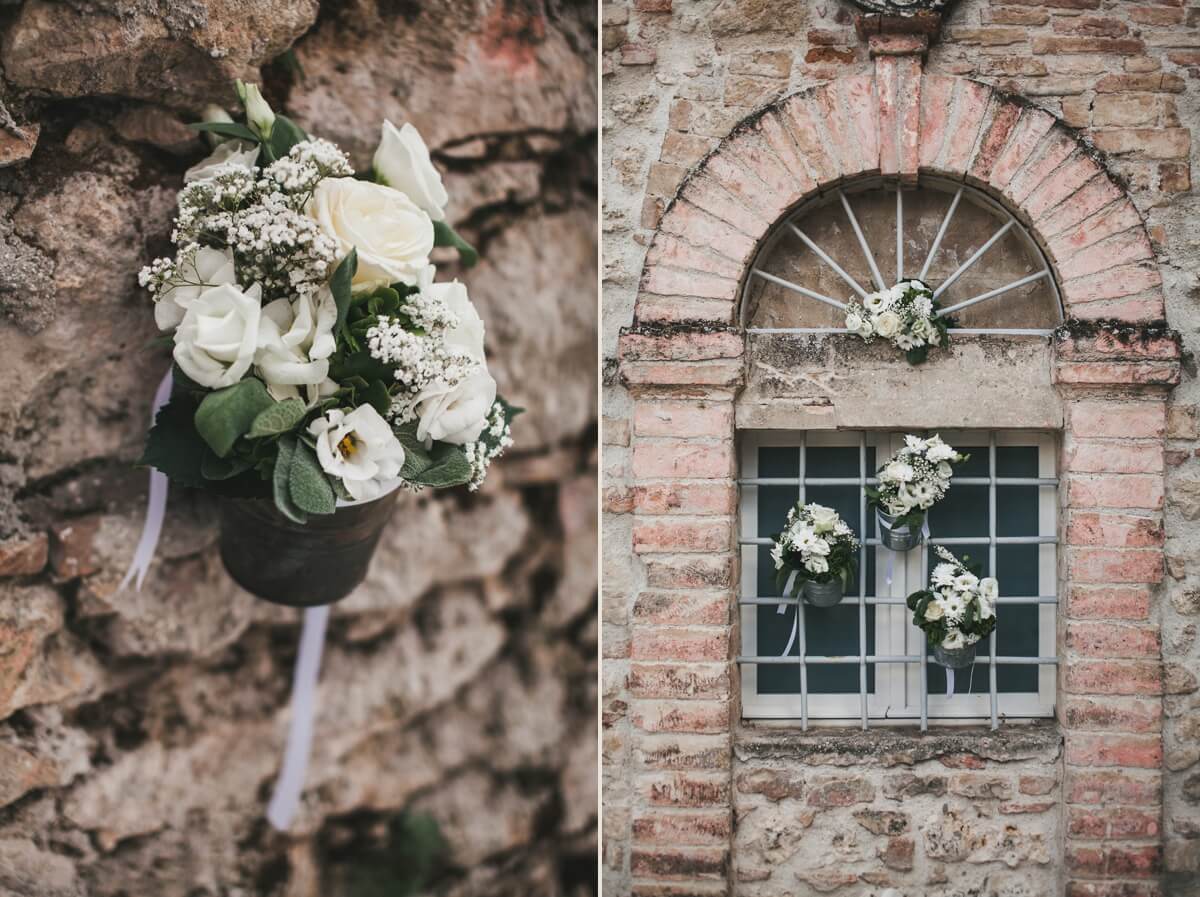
(818, 550)
(911, 482)
(318, 366)
(905, 315)
(956, 611)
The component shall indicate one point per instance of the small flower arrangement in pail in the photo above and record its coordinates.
(817, 550)
(911, 482)
(956, 611)
(907, 315)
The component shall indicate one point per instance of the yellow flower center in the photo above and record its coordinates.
(348, 446)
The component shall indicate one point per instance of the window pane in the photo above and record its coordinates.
(1017, 624)
(1016, 461)
(773, 628)
(779, 461)
(963, 512)
(974, 466)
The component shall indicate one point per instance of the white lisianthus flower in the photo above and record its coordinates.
(944, 470)
(816, 565)
(360, 449)
(953, 640)
(402, 161)
(198, 272)
(824, 519)
(239, 153)
(393, 235)
(934, 610)
(866, 330)
(888, 324)
(897, 292)
(818, 547)
(854, 322)
(295, 340)
(877, 302)
(935, 338)
(216, 340)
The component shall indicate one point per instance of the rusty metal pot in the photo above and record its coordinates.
(300, 566)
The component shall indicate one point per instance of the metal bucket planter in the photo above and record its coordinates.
(301, 566)
(823, 594)
(902, 539)
(954, 658)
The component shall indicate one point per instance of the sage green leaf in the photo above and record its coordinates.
(307, 483)
(448, 467)
(281, 417)
(226, 129)
(416, 458)
(227, 414)
(445, 235)
(340, 284)
(214, 468)
(285, 134)
(173, 446)
(281, 479)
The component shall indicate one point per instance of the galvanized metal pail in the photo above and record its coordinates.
(300, 565)
(823, 594)
(902, 539)
(954, 658)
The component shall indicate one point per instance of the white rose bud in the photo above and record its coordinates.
(215, 342)
(360, 449)
(402, 161)
(392, 235)
(258, 113)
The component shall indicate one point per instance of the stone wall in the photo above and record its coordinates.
(140, 731)
(690, 810)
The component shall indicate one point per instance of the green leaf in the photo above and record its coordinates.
(281, 480)
(173, 446)
(227, 414)
(359, 364)
(285, 134)
(439, 466)
(226, 129)
(215, 468)
(281, 417)
(376, 395)
(339, 285)
(307, 483)
(917, 355)
(445, 235)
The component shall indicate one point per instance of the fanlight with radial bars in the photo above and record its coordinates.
(982, 264)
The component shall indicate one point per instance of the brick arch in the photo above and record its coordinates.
(900, 123)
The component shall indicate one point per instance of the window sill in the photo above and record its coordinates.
(886, 747)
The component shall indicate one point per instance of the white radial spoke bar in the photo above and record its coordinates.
(820, 253)
(788, 285)
(937, 241)
(991, 294)
(862, 241)
(974, 258)
(899, 235)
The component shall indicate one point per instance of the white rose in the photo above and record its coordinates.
(934, 610)
(888, 324)
(206, 268)
(402, 161)
(854, 322)
(239, 153)
(392, 235)
(899, 471)
(953, 640)
(360, 449)
(816, 565)
(215, 342)
(944, 470)
(824, 519)
(295, 340)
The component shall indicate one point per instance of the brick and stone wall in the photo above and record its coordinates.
(1077, 115)
(140, 732)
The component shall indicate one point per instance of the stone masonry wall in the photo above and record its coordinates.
(140, 732)
(677, 78)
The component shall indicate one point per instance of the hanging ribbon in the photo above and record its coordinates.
(949, 682)
(288, 787)
(903, 529)
(782, 609)
(156, 502)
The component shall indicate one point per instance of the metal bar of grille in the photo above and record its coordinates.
(993, 695)
(862, 241)
(820, 253)
(885, 658)
(956, 540)
(801, 621)
(937, 241)
(796, 288)
(899, 234)
(854, 481)
(862, 577)
(990, 331)
(888, 600)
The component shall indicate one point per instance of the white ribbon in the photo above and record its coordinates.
(290, 784)
(156, 503)
(949, 682)
(902, 529)
(782, 609)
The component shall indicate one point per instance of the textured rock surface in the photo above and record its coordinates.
(140, 732)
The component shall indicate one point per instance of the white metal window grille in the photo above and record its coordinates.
(921, 244)
(864, 660)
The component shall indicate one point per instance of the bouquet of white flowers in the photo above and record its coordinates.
(958, 609)
(906, 315)
(912, 481)
(816, 546)
(317, 361)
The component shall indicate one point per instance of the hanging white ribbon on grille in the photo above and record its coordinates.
(782, 609)
(949, 682)
(892, 555)
(156, 502)
(285, 801)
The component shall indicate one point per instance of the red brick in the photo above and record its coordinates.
(1133, 420)
(1118, 373)
(704, 229)
(1056, 4)
(617, 500)
(692, 608)
(1114, 219)
(1115, 491)
(690, 789)
(803, 124)
(1121, 603)
(1091, 26)
(775, 132)
(653, 643)
(1148, 307)
(683, 829)
(1154, 82)
(1084, 456)
(1123, 280)
(690, 572)
(689, 419)
(1113, 677)
(1034, 124)
(698, 717)
(671, 251)
(972, 103)
(684, 752)
(1114, 530)
(937, 91)
(1067, 181)
(1113, 889)
(685, 498)
(1055, 150)
(637, 54)
(679, 863)
(1156, 15)
(826, 104)
(1123, 249)
(887, 83)
(863, 111)
(742, 182)
(706, 192)
(1115, 862)
(996, 131)
(1108, 640)
(752, 151)
(1056, 46)
(708, 681)
(1107, 344)
(671, 282)
(1017, 808)
(1037, 785)
(680, 458)
(680, 309)
(669, 535)
(1108, 787)
(1123, 824)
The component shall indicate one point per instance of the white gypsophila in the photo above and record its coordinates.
(419, 360)
(306, 164)
(480, 454)
(360, 449)
(402, 161)
(917, 476)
